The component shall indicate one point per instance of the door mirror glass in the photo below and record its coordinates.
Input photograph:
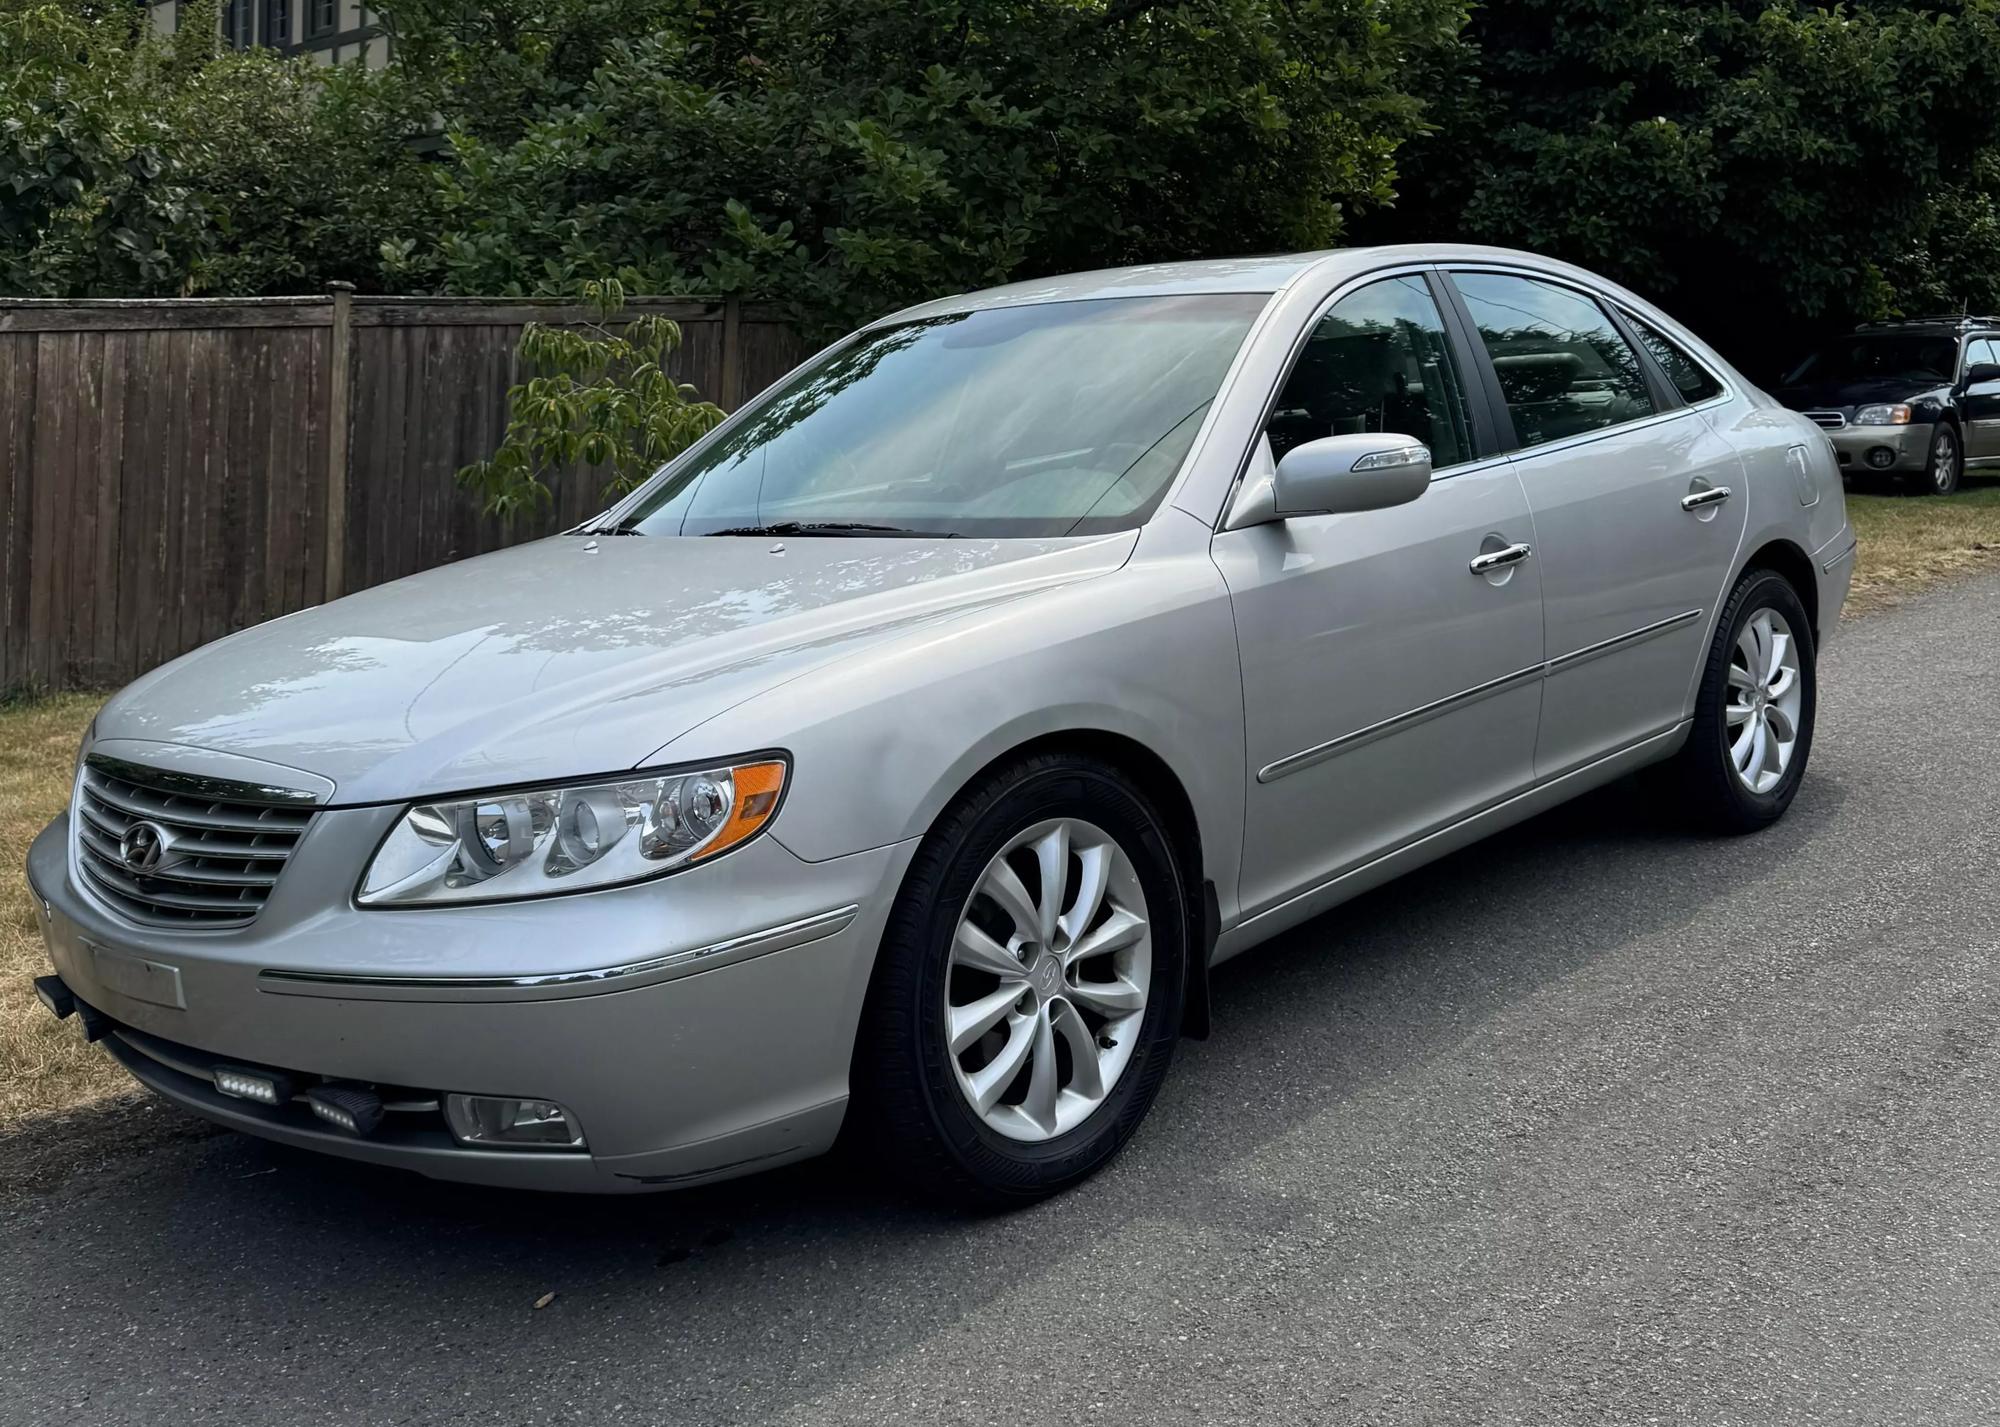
(1340, 474)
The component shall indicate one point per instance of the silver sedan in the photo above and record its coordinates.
(898, 761)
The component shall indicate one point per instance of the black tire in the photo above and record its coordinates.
(1705, 776)
(1945, 464)
(908, 1109)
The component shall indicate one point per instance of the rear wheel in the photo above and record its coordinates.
(1028, 994)
(1753, 720)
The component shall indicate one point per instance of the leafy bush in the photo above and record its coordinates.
(1760, 168)
(846, 157)
(597, 397)
(136, 166)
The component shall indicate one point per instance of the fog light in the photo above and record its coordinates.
(1881, 457)
(346, 1107)
(266, 1087)
(502, 1122)
(51, 992)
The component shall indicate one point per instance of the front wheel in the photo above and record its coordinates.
(1945, 463)
(1028, 995)
(1753, 720)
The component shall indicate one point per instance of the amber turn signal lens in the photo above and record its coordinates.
(757, 786)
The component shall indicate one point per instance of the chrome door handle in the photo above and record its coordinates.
(1695, 500)
(1499, 559)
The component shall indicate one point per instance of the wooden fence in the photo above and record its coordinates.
(171, 471)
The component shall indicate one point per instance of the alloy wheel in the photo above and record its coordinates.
(1944, 460)
(1765, 695)
(1051, 962)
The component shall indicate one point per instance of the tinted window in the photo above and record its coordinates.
(1378, 361)
(1690, 378)
(1563, 368)
(1036, 420)
(1913, 356)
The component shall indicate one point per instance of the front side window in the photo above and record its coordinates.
(1982, 351)
(1060, 418)
(1378, 361)
(1690, 378)
(1563, 367)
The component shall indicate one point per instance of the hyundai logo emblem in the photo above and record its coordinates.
(147, 847)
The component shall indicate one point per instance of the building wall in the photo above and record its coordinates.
(331, 31)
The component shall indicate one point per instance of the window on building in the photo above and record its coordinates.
(322, 18)
(277, 23)
(237, 30)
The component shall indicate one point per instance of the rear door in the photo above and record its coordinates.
(1637, 503)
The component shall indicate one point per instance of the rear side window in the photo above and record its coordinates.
(1690, 378)
(1564, 369)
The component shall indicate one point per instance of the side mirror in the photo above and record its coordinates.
(1337, 475)
(1979, 373)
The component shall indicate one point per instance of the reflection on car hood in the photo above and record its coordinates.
(564, 657)
(1840, 395)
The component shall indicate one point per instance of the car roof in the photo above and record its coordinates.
(1268, 273)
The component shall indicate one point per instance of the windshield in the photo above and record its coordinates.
(1915, 356)
(1054, 419)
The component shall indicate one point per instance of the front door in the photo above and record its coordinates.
(1388, 688)
(1638, 514)
(1980, 405)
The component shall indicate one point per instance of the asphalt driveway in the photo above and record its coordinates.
(1595, 1122)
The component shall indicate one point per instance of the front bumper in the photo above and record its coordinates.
(1908, 448)
(697, 1027)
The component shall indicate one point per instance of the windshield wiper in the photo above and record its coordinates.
(623, 527)
(832, 527)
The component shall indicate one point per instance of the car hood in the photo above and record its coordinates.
(565, 657)
(1845, 395)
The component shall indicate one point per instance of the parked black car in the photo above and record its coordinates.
(1918, 398)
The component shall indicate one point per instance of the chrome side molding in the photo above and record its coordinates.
(1622, 641)
(1347, 742)
(557, 984)
(1333, 748)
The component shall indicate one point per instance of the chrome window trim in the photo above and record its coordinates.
(1655, 318)
(1334, 747)
(623, 977)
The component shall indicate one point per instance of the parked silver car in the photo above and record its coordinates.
(903, 755)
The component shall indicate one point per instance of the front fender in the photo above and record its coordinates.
(883, 741)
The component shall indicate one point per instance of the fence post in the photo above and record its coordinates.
(731, 395)
(339, 401)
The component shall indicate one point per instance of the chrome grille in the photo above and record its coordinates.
(221, 848)
(1831, 420)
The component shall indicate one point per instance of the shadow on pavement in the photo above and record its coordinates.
(754, 1295)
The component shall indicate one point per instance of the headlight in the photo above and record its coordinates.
(1882, 416)
(530, 843)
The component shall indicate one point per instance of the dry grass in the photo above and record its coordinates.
(1909, 543)
(44, 1064)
